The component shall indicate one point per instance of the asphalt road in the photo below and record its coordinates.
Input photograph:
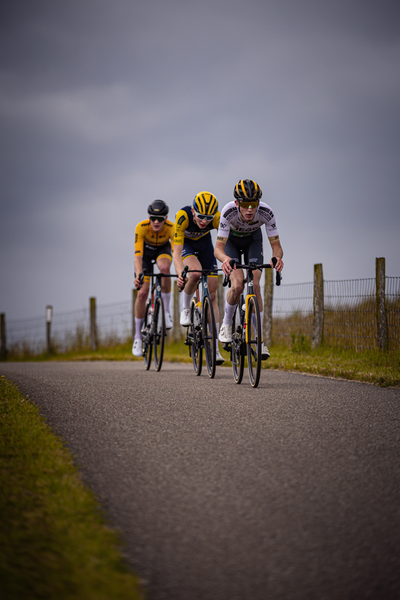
(225, 492)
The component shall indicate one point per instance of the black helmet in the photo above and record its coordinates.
(246, 190)
(158, 208)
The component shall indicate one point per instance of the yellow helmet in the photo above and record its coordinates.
(205, 204)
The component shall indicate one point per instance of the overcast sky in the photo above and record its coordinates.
(106, 105)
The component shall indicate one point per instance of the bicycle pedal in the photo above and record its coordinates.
(227, 347)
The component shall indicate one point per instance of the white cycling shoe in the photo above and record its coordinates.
(137, 348)
(264, 352)
(168, 321)
(225, 333)
(185, 317)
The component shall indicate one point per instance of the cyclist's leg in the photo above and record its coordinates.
(254, 252)
(164, 260)
(190, 260)
(140, 304)
(233, 250)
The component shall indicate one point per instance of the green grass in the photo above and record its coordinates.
(54, 540)
(370, 366)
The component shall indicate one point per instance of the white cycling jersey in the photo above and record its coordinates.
(231, 221)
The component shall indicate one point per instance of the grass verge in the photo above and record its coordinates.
(54, 540)
(369, 366)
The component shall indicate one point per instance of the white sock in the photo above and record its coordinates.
(166, 296)
(229, 310)
(186, 299)
(138, 328)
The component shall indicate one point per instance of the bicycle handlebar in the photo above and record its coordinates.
(253, 267)
(184, 276)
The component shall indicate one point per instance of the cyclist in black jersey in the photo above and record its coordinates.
(193, 247)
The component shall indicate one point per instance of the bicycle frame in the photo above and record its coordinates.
(248, 335)
(201, 333)
(153, 329)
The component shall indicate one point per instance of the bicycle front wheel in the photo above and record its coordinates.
(237, 345)
(195, 338)
(253, 339)
(146, 331)
(159, 333)
(209, 335)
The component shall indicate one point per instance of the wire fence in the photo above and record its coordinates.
(349, 313)
(349, 319)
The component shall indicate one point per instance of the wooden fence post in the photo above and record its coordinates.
(134, 297)
(93, 325)
(3, 338)
(318, 321)
(179, 331)
(49, 316)
(221, 299)
(267, 313)
(381, 319)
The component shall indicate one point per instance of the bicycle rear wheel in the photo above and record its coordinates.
(237, 354)
(159, 333)
(209, 336)
(195, 338)
(146, 331)
(253, 336)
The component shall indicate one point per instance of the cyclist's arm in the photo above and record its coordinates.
(178, 263)
(181, 222)
(139, 246)
(277, 251)
(220, 254)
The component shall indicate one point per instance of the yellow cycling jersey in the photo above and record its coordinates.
(186, 227)
(144, 233)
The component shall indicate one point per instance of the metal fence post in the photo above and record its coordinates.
(381, 319)
(93, 325)
(3, 338)
(318, 321)
(267, 314)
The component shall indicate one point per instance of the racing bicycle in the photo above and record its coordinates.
(247, 327)
(202, 333)
(153, 328)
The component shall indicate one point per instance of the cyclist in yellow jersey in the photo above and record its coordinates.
(193, 247)
(153, 244)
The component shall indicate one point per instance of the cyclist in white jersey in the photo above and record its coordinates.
(240, 234)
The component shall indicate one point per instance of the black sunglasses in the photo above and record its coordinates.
(159, 219)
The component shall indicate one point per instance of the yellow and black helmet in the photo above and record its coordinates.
(205, 204)
(246, 190)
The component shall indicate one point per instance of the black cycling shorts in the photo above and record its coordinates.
(248, 246)
(150, 255)
(203, 249)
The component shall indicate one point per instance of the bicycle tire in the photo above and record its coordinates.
(209, 336)
(158, 333)
(237, 354)
(253, 340)
(195, 338)
(146, 330)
